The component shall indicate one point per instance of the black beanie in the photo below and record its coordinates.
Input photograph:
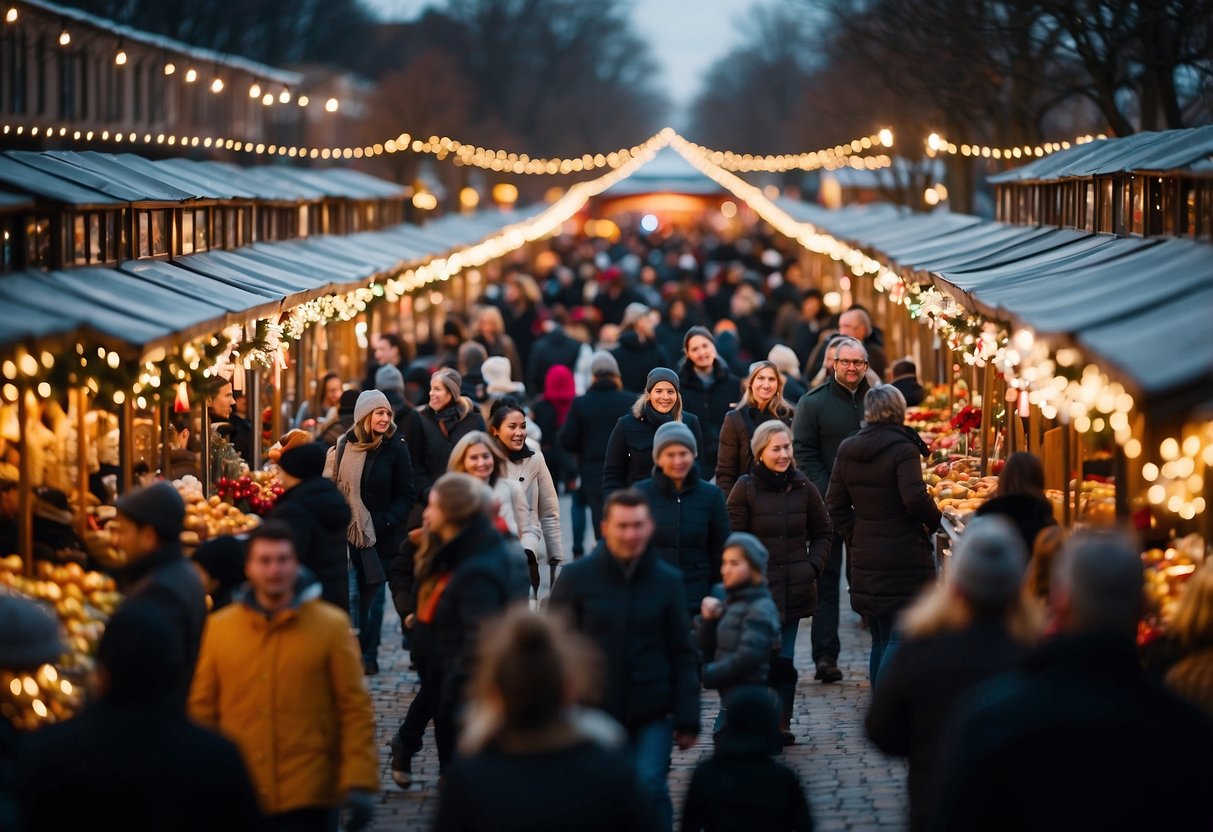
(304, 461)
(159, 506)
(345, 405)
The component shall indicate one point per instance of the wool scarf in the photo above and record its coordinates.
(655, 417)
(361, 531)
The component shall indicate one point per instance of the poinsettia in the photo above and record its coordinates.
(966, 419)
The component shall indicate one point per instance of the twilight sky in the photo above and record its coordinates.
(686, 36)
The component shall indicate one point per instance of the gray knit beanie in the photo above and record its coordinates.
(673, 433)
(388, 377)
(989, 560)
(602, 363)
(755, 552)
(368, 402)
(661, 374)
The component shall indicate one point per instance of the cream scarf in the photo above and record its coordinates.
(361, 532)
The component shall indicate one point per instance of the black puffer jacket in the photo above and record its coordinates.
(629, 455)
(641, 626)
(737, 646)
(879, 504)
(550, 349)
(318, 516)
(710, 404)
(429, 447)
(387, 491)
(692, 525)
(787, 514)
(487, 574)
(1029, 514)
(169, 582)
(635, 358)
(590, 421)
(734, 457)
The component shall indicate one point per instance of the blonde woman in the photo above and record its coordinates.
(477, 454)
(373, 470)
(761, 401)
(490, 334)
(629, 453)
(527, 468)
(778, 504)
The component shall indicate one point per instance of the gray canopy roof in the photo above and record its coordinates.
(1170, 150)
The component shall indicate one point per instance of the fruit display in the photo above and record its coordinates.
(82, 600)
(31, 698)
(957, 485)
(1092, 501)
(253, 493)
(1165, 572)
(207, 517)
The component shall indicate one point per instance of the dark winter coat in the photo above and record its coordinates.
(734, 456)
(740, 793)
(629, 456)
(641, 626)
(487, 574)
(318, 516)
(691, 526)
(824, 417)
(134, 767)
(496, 790)
(388, 492)
(917, 696)
(1029, 514)
(737, 647)
(589, 424)
(787, 514)
(880, 505)
(169, 582)
(913, 392)
(635, 358)
(550, 349)
(710, 404)
(430, 448)
(1080, 716)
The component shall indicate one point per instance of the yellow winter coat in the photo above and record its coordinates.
(289, 691)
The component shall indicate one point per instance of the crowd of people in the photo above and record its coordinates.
(737, 450)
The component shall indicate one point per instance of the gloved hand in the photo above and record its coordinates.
(359, 810)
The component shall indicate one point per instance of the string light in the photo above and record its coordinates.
(937, 145)
(217, 85)
(11, 15)
(191, 75)
(829, 158)
(170, 68)
(65, 37)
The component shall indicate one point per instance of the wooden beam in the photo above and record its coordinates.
(25, 488)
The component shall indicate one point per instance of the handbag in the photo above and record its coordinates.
(372, 567)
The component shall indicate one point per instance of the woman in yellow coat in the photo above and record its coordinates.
(279, 674)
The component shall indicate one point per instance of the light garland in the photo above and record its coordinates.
(936, 145)
(1177, 485)
(828, 158)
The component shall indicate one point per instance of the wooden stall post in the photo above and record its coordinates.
(166, 442)
(126, 447)
(987, 416)
(80, 518)
(252, 389)
(205, 447)
(1067, 442)
(25, 489)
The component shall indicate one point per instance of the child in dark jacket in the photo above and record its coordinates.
(740, 787)
(739, 634)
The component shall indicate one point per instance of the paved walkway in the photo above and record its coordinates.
(851, 786)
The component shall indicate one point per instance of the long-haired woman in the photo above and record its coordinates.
(523, 735)
(321, 407)
(479, 455)
(372, 468)
(778, 504)
(761, 401)
(526, 468)
(1021, 497)
(629, 454)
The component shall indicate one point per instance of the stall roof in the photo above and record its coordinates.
(270, 183)
(237, 300)
(154, 186)
(20, 323)
(1170, 150)
(208, 179)
(666, 172)
(14, 202)
(78, 309)
(1167, 349)
(47, 186)
(131, 187)
(339, 183)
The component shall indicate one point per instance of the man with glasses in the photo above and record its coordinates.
(825, 416)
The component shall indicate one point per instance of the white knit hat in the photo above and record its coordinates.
(496, 372)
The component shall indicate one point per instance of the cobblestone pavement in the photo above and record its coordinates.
(851, 786)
